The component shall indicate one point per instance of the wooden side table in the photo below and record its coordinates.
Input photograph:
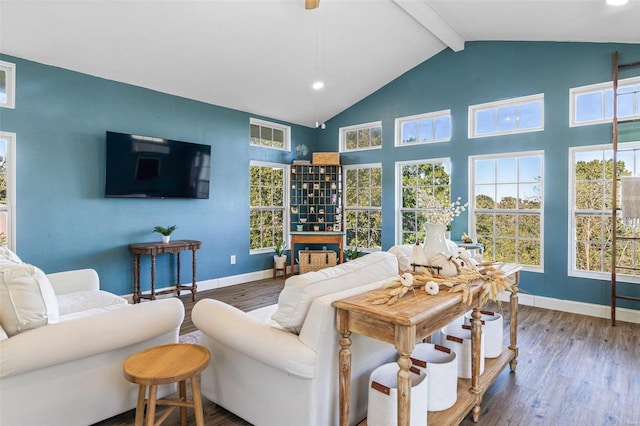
(163, 365)
(316, 238)
(153, 249)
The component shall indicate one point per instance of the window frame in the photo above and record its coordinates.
(364, 126)
(274, 126)
(360, 208)
(11, 188)
(400, 121)
(285, 203)
(473, 211)
(574, 92)
(495, 105)
(605, 213)
(445, 161)
(10, 71)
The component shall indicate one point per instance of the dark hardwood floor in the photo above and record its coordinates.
(572, 369)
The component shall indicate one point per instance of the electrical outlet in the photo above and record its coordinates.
(232, 259)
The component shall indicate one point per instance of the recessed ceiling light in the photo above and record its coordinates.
(617, 2)
(318, 85)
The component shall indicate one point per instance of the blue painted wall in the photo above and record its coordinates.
(61, 116)
(484, 72)
(63, 220)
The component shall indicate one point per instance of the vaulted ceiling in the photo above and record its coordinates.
(262, 56)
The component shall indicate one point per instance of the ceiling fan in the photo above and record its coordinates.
(311, 4)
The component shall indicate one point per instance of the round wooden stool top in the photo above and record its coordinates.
(166, 364)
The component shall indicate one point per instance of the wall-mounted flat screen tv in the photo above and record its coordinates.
(148, 167)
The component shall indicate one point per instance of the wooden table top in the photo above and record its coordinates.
(166, 364)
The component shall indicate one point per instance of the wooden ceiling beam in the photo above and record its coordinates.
(428, 18)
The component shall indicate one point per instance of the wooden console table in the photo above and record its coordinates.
(410, 320)
(316, 238)
(152, 249)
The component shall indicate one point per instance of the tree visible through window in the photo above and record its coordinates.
(7, 190)
(507, 205)
(363, 206)
(267, 204)
(416, 183)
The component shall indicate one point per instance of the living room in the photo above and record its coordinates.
(63, 220)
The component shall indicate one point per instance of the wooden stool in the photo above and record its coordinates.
(162, 365)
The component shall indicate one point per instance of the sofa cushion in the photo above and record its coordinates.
(6, 254)
(27, 299)
(79, 301)
(300, 290)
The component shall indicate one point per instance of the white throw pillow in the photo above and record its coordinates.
(300, 290)
(27, 299)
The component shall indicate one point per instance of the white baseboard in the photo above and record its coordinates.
(582, 308)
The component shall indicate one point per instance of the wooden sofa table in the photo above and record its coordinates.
(413, 319)
(153, 249)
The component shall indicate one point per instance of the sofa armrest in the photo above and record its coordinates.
(76, 280)
(262, 342)
(84, 337)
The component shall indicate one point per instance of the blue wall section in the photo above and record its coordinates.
(485, 72)
(61, 116)
(63, 220)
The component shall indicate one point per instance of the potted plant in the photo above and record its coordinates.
(280, 258)
(165, 232)
(353, 252)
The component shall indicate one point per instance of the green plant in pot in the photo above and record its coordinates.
(352, 252)
(280, 258)
(165, 232)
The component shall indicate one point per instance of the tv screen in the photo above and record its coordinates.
(148, 167)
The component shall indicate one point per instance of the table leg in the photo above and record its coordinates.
(142, 390)
(151, 405)
(197, 399)
(153, 277)
(178, 277)
(182, 397)
(513, 311)
(194, 286)
(136, 278)
(476, 336)
(344, 366)
(405, 343)
(293, 254)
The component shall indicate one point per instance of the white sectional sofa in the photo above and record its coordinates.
(278, 365)
(64, 366)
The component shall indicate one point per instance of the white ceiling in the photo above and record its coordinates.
(262, 56)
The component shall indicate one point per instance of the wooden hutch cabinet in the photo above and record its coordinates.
(316, 198)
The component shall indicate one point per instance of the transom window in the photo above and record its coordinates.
(361, 136)
(363, 205)
(590, 212)
(7, 84)
(593, 104)
(424, 128)
(267, 182)
(7, 190)
(516, 115)
(270, 135)
(417, 183)
(506, 206)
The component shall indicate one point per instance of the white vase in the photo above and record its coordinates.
(435, 241)
(166, 238)
(280, 261)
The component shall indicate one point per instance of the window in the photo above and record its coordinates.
(7, 84)
(590, 212)
(363, 205)
(516, 115)
(7, 190)
(506, 206)
(416, 183)
(361, 136)
(594, 104)
(267, 182)
(423, 128)
(270, 135)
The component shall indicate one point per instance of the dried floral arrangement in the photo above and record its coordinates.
(489, 275)
(436, 212)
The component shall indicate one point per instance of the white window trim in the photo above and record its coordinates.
(285, 200)
(343, 139)
(473, 109)
(398, 189)
(11, 188)
(344, 195)
(598, 87)
(285, 129)
(429, 115)
(472, 202)
(10, 70)
(571, 258)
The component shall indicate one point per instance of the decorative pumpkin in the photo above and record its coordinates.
(432, 288)
(447, 266)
